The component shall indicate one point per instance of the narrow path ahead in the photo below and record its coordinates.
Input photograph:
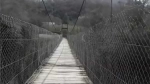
(62, 68)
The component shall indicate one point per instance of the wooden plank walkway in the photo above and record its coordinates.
(62, 68)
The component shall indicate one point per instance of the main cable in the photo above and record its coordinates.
(48, 14)
(78, 15)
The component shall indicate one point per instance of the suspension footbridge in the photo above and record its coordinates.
(62, 68)
(113, 51)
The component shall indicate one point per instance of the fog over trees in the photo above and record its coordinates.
(62, 10)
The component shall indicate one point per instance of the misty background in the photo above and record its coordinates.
(63, 11)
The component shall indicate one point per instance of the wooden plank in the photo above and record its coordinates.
(62, 68)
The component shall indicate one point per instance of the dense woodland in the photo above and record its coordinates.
(62, 11)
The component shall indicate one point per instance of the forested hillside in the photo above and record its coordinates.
(63, 11)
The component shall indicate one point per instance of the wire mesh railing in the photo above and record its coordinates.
(116, 51)
(23, 48)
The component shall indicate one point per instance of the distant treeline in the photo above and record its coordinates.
(64, 11)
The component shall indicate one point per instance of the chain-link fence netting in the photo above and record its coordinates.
(23, 48)
(117, 50)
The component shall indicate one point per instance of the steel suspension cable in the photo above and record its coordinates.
(48, 14)
(78, 15)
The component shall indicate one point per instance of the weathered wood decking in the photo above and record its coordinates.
(62, 68)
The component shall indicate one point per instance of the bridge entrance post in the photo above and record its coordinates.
(64, 30)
